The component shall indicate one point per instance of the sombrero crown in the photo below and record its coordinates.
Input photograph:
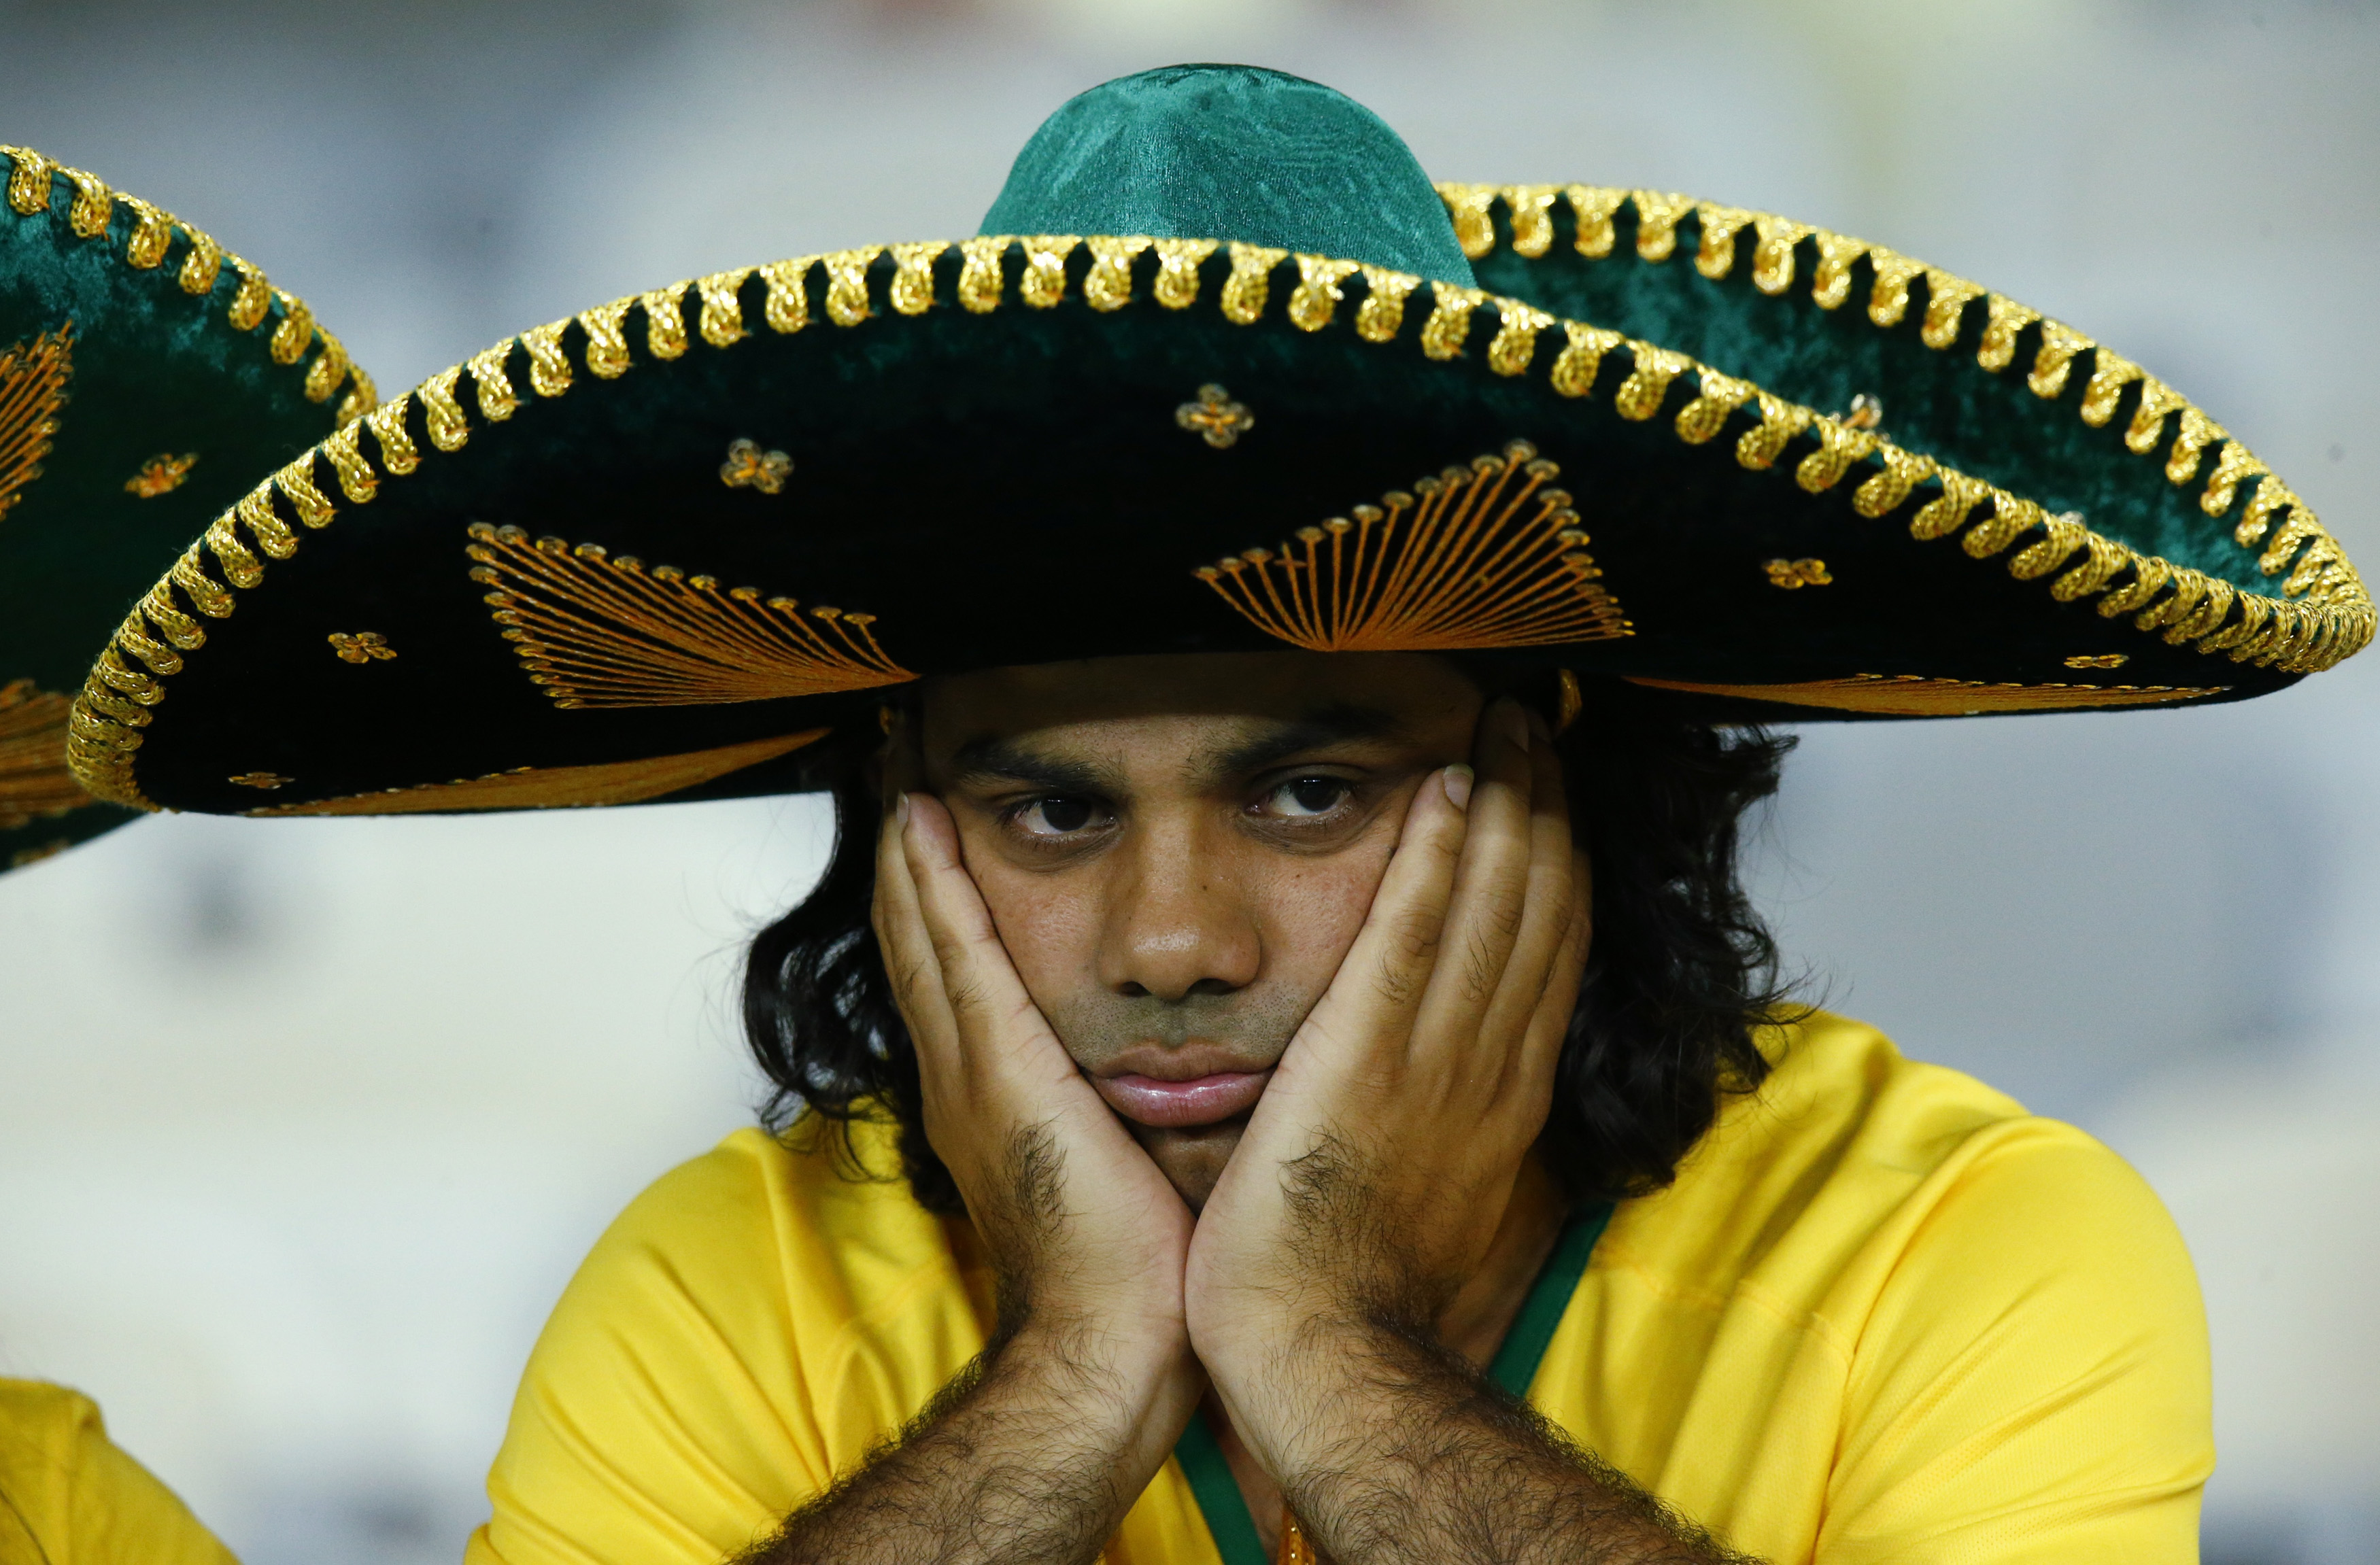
(1234, 386)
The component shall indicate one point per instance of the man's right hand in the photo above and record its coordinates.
(1086, 1234)
(1037, 1448)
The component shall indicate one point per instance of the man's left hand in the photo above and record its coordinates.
(1378, 1164)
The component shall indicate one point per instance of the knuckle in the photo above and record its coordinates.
(965, 994)
(1482, 968)
(1412, 935)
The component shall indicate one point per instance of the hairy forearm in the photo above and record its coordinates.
(1394, 1450)
(1031, 1453)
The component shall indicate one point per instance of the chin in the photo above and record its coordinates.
(1192, 1157)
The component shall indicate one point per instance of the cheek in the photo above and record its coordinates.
(1314, 908)
(1049, 925)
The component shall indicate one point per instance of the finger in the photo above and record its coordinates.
(1381, 980)
(1491, 883)
(900, 933)
(907, 954)
(1548, 1027)
(1553, 910)
(987, 1001)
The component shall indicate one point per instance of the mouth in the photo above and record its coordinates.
(1166, 1105)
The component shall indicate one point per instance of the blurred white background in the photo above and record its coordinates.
(303, 1123)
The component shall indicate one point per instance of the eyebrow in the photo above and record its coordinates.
(1318, 728)
(990, 758)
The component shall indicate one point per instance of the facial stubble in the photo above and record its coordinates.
(1252, 1026)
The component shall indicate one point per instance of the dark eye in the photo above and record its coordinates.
(1305, 797)
(1055, 817)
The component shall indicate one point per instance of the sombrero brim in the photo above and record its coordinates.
(148, 379)
(654, 550)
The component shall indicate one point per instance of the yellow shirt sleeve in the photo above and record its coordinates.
(1884, 1313)
(2031, 1381)
(69, 1496)
(744, 1331)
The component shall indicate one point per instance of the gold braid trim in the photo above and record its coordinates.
(1462, 561)
(1108, 285)
(1317, 293)
(599, 630)
(2321, 613)
(34, 185)
(561, 787)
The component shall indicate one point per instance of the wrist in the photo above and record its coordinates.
(1128, 1389)
(1091, 1363)
(1313, 1386)
(1312, 1341)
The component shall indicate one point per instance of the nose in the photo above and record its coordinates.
(1178, 923)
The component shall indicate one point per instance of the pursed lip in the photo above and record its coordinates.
(1168, 1088)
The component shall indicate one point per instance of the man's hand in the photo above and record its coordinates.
(1035, 1452)
(1378, 1164)
(1085, 1231)
(1373, 1175)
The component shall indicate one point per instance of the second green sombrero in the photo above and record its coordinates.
(1237, 386)
(148, 379)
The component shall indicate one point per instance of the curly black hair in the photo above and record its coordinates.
(1682, 972)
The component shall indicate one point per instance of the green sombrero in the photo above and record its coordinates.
(148, 378)
(1239, 386)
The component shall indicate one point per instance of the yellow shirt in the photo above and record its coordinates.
(69, 1496)
(1883, 1315)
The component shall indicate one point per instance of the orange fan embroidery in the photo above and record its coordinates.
(596, 629)
(33, 389)
(34, 781)
(1476, 557)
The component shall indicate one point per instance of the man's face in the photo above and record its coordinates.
(1178, 852)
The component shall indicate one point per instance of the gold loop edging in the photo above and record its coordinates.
(2323, 616)
(2335, 618)
(83, 202)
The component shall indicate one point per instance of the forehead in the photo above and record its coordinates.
(1226, 696)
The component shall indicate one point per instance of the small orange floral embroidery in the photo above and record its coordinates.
(360, 647)
(1214, 418)
(161, 474)
(748, 466)
(1794, 574)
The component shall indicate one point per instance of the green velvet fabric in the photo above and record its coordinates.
(1008, 482)
(154, 371)
(1201, 152)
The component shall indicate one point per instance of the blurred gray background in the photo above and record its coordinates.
(304, 1123)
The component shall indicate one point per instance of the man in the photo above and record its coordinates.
(1280, 1059)
(147, 380)
(71, 1495)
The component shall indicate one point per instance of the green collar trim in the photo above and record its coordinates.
(1515, 1366)
(1217, 1494)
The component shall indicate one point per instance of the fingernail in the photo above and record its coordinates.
(1458, 786)
(1515, 720)
(900, 810)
